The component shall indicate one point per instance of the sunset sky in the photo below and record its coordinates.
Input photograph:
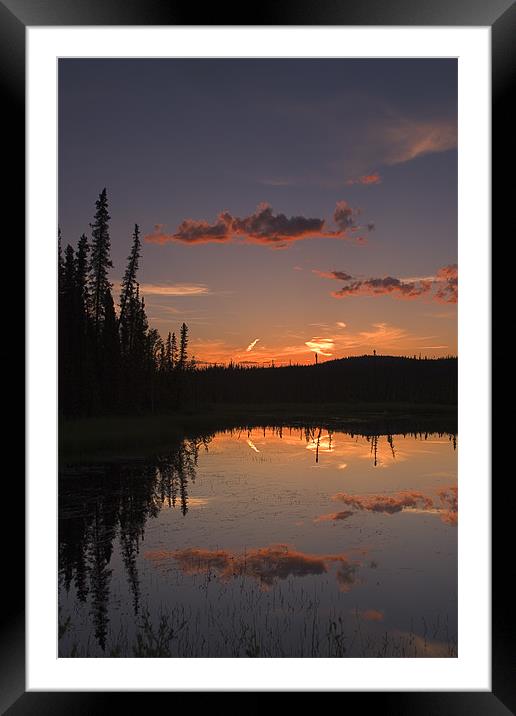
(288, 206)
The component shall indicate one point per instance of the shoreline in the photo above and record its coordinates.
(138, 436)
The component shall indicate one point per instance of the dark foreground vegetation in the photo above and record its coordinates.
(111, 362)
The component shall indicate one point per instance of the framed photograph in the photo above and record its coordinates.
(258, 354)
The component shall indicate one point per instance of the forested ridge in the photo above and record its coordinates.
(362, 378)
(111, 361)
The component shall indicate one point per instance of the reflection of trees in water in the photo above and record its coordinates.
(390, 440)
(113, 501)
(321, 436)
(314, 436)
(116, 500)
(174, 471)
(373, 439)
(99, 549)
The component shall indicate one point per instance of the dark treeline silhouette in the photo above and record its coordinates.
(363, 378)
(111, 361)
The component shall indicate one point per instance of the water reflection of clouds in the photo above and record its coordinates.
(326, 443)
(334, 516)
(449, 501)
(252, 445)
(265, 564)
(241, 497)
(371, 615)
(415, 645)
(404, 501)
(383, 502)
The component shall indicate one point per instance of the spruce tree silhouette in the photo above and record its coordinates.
(100, 261)
(183, 347)
(128, 287)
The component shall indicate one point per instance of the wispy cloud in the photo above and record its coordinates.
(323, 346)
(276, 181)
(366, 179)
(446, 315)
(443, 345)
(252, 345)
(176, 289)
(407, 139)
(264, 227)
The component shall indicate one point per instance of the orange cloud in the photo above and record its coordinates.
(441, 288)
(447, 284)
(367, 179)
(265, 564)
(252, 345)
(262, 227)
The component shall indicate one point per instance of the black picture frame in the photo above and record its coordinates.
(500, 15)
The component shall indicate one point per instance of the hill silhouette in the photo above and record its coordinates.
(356, 379)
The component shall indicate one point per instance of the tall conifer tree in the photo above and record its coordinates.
(128, 314)
(183, 347)
(173, 350)
(128, 287)
(168, 353)
(81, 273)
(100, 261)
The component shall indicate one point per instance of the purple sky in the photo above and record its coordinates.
(355, 159)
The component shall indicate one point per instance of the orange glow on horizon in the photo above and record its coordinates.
(381, 338)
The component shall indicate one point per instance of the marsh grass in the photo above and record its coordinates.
(277, 624)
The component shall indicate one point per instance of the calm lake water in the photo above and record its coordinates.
(264, 543)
